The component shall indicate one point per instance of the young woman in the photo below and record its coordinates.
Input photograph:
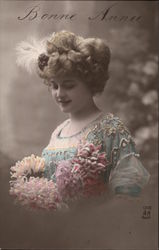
(76, 69)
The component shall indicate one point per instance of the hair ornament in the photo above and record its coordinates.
(43, 61)
(28, 52)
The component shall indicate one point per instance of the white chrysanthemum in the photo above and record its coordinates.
(28, 164)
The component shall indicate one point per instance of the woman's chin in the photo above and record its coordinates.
(65, 109)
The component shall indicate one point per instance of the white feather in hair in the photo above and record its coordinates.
(29, 51)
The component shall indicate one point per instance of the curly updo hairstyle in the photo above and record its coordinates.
(71, 55)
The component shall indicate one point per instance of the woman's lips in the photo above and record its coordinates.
(64, 102)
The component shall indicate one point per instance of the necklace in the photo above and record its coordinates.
(67, 128)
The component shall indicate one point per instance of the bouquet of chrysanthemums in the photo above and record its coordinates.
(32, 190)
(81, 176)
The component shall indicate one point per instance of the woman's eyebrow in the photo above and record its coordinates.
(68, 81)
(64, 82)
(53, 81)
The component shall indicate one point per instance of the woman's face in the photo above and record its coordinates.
(70, 94)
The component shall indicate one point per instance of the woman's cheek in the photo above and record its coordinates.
(53, 93)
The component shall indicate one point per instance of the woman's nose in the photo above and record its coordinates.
(60, 92)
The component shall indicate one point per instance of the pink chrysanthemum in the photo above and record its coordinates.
(36, 193)
(68, 184)
(83, 175)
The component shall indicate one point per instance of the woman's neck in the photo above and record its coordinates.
(86, 114)
(81, 120)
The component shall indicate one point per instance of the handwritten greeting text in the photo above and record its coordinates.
(105, 15)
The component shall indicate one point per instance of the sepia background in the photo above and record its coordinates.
(28, 115)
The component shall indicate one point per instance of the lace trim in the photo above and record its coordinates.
(125, 156)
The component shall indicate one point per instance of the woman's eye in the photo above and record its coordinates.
(54, 85)
(69, 86)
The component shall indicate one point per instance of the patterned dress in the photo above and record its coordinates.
(125, 173)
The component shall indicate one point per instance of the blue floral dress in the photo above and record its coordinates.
(125, 173)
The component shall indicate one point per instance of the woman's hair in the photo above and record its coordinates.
(71, 55)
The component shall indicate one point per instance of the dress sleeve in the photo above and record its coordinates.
(127, 175)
